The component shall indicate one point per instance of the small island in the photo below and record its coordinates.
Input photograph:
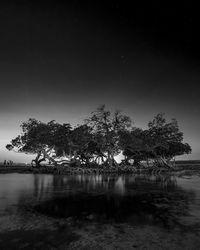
(93, 146)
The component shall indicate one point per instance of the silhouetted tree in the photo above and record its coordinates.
(106, 128)
(159, 143)
(81, 138)
(136, 145)
(46, 140)
(166, 140)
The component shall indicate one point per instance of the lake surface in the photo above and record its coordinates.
(37, 206)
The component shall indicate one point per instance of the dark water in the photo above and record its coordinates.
(137, 199)
(47, 212)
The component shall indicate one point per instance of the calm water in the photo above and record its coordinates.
(136, 199)
(99, 212)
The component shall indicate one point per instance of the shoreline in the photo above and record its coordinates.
(63, 170)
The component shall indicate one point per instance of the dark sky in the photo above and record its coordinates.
(61, 60)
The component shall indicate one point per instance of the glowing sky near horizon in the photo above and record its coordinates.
(61, 60)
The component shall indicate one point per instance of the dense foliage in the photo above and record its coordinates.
(100, 139)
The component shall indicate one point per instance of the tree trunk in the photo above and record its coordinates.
(36, 160)
(109, 160)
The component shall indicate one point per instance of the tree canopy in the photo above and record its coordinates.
(99, 139)
(106, 128)
(159, 143)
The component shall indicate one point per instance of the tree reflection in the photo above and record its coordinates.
(138, 199)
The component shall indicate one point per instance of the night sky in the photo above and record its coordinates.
(61, 60)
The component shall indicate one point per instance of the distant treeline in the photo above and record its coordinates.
(100, 138)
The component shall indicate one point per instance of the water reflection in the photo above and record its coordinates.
(137, 199)
(120, 185)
